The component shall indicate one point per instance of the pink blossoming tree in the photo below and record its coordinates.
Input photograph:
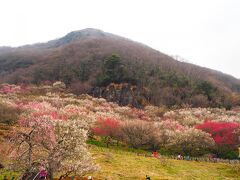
(53, 138)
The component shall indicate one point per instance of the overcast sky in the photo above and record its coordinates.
(204, 32)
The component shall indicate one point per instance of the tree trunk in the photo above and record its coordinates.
(30, 155)
(50, 172)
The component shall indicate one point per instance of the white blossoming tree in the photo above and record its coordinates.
(191, 141)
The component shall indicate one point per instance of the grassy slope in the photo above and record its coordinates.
(121, 164)
(118, 164)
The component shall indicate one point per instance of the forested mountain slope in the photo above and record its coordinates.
(90, 60)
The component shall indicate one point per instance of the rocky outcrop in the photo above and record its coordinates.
(123, 94)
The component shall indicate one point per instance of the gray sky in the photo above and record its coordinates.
(205, 32)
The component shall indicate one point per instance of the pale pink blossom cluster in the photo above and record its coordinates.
(193, 116)
(13, 89)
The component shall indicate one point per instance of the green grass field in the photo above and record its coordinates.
(119, 164)
(123, 164)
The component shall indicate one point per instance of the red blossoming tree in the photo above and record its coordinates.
(108, 128)
(223, 133)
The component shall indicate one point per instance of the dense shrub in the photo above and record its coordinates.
(192, 142)
(226, 152)
(140, 134)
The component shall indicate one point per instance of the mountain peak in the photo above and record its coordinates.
(76, 35)
(85, 32)
(90, 30)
